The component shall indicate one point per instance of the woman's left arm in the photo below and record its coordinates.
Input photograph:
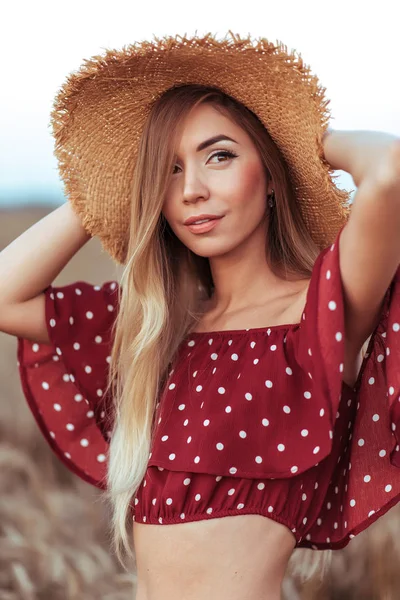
(370, 241)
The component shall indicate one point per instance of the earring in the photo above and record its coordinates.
(271, 199)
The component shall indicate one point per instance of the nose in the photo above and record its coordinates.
(194, 188)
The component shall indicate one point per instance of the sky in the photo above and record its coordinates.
(352, 47)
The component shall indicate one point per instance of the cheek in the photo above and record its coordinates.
(249, 189)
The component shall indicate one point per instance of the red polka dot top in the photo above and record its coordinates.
(251, 421)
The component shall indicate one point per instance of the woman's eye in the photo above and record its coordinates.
(224, 153)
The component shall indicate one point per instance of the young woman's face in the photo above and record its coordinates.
(208, 181)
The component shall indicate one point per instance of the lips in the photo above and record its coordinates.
(194, 220)
(204, 227)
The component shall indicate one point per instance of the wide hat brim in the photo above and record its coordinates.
(99, 113)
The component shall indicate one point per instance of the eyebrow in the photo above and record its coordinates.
(214, 140)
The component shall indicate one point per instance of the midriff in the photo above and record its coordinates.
(241, 557)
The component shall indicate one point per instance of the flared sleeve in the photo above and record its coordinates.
(65, 381)
(363, 464)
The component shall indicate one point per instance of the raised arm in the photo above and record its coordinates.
(30, 264)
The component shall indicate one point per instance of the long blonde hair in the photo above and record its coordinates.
(164, 284)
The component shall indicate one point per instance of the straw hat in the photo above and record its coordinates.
(99, 113)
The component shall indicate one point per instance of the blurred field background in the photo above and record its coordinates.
(54, 543)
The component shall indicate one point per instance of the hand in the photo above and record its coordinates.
(386, 174)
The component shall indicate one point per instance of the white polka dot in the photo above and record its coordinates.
(185, 422)
(220, 446)
(321, 412)
(206, 422)
(172, 456)
(281, 447)
(367, 478)
(286, 409)
(89, 314)
(101, 457)
(382, 453)
(239, 506)
(78, 397)
(233, 470)
(234, 357)
(258, 459)
(88, 369)
(189, 439)
(270, 509)
(261, 486)
(242, 434)
(307, 395)
(268, 383)
(294, 469)
(252, 344)
(181, 407)
(338, 336)
(52, 323)
(70, 426)
(289, 371)
(209, 511)
(171, 386)
(221, 390)
(255, 361)
(199, 388)
(214, 356)
(352, 502)
(273, 347)
(84, 442)
(265, 422)
(304, 432)
(361, 442)
(45, 385)
(169, 501)
(304, 497)
(316, 450)
(231, 491)
(388, 488)
(197, 459)
(164, 438)
(197, 497)
(57, 407)
(248, 396)
(228, 409)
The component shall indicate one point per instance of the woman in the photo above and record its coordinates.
(237, 384)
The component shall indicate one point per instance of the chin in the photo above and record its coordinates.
(211, 250)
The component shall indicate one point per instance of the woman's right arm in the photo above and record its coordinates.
(30, 264)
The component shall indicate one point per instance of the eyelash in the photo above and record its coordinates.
(227, 153)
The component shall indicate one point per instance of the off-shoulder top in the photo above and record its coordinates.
(251, 421)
